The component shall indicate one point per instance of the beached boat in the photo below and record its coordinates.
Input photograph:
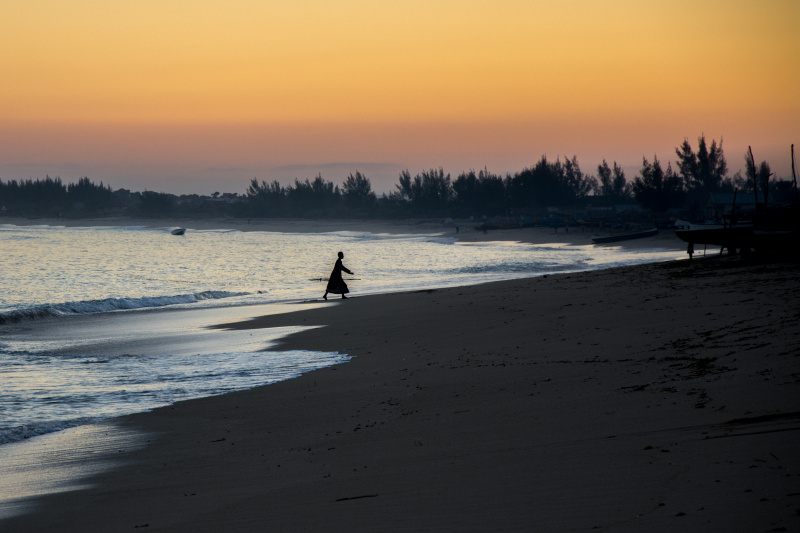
(773, 229)
(776, 230)
(624, 236)
(735, 235)
(178, 231)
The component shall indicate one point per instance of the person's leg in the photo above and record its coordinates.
(325, 296)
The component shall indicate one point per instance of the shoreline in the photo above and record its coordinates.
(467, 232)
(601, 399)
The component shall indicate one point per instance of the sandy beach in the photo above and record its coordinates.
(653, 398)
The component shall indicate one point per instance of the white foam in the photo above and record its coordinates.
(111, 304)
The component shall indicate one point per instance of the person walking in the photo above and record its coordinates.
(336, 284)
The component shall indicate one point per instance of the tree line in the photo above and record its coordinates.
(43, 196)
(430, 193)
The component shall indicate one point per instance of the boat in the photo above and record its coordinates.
(776, 230)
(624, 236)
(725, 234)
(770, 229)
(178, 231)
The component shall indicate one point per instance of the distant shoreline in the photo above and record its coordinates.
(466, 228)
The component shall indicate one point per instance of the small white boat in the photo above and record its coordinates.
(178, 231)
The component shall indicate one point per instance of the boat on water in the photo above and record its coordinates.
(624, 236)
(178, 231)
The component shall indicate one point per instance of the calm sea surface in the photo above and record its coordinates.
(104, 321)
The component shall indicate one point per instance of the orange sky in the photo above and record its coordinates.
(200, 96)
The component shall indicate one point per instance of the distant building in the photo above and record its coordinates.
(720, 204)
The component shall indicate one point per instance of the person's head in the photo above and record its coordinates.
(341, 255)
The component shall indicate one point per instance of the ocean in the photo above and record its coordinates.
(97, 322)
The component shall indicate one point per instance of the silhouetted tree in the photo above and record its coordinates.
(612, 182)
(264, 199)
(538, 186)
(656, 189)
(466, 191)
(156, 204)
(357, 192)
(781, 192)
(306, 196)
(428, 192)
(578, 185)
(549, 184)
(481, 194)
(93, 197)
(40, 196)
(759, 177)
(703, 173)
(704, 170)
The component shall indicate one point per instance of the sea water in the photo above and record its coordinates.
(97, 322)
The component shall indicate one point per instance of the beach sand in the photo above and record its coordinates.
(652, 398)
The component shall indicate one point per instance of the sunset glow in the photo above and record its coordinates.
(166, 92)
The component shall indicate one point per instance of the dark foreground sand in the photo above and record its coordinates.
(656, 398)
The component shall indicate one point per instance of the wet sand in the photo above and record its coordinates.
(651, 398)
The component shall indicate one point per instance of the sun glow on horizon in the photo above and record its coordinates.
(705, 64)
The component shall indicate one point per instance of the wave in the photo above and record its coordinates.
(364, 236)
(522, 267)
(110, 304)
(19, 433)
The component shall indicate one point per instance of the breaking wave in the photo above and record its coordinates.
(16, 434)
(110, 304)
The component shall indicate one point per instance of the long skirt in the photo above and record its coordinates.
(337, 286)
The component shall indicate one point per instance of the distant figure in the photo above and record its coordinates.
(336, 284)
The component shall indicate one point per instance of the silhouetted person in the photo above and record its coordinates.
(336, 284)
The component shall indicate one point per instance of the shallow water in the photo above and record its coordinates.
(62, 372)
(84, 334)
(59, 462)
(57, 271)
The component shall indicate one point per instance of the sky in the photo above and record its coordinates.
(202, 96)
